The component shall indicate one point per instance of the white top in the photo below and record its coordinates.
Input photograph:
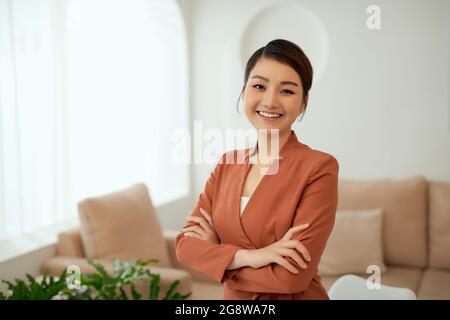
(244, 201)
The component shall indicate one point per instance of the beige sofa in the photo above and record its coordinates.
(415, 239)
(124, 225)
(415, 234)
(69, 251)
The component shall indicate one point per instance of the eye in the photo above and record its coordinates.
(288, 91)
(258, 86)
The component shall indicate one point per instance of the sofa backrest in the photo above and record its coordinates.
(439, 225)
(404, 219)
(123, 225)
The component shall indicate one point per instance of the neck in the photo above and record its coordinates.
(270, 142)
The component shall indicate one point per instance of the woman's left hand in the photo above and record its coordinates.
(203, 230)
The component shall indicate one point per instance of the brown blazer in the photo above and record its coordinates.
(304, 190)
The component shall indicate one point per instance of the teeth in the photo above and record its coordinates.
(269, 114)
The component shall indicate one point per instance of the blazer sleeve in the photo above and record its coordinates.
(201, 255)
(317, 206)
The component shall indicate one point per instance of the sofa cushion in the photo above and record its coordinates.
(341, 255)
(405, 215)
(122, 225)
(439, 226)
(435, 285)
(394, 276)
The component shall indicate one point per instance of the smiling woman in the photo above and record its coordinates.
(271, 247)
(276, 87)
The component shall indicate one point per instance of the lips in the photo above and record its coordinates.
(269, 115)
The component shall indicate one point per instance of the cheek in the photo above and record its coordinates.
(293, 107)
(248, 110)
(250, 102)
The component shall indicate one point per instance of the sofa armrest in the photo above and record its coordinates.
(170, 236)
(70, 244)
(54, 266)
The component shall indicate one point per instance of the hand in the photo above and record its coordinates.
(276, 252)
(204, 229)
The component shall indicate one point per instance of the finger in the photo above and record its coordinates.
(294, 256)
(302, 249)
(195, 219)
(191, 217)
(197, 230)
(298, 228)
(295, 229)
(205, 225)
(295, 244)
(193, 234)
(289, 267)
(191, 228)
(207, 216)
(190, 224)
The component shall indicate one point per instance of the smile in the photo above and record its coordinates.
(269, 115)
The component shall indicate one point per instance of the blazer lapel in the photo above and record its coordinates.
(256, 222)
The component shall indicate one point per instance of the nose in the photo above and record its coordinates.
(270, 99)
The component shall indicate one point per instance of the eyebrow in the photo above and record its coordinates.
(282, 82)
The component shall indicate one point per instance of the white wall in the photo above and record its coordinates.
(381, 105)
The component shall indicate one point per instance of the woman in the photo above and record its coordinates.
(261, 229)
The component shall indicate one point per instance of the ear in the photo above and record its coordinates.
(304, 104)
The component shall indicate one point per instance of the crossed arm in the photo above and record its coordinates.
(268, 269)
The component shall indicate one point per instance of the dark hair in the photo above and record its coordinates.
(285, 52)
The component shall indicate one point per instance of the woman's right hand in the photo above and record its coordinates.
(276, 252)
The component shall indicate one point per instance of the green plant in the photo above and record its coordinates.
(99, 285)
(35, 290)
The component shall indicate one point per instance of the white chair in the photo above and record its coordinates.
(351, 287)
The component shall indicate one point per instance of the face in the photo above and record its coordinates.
(273, 96)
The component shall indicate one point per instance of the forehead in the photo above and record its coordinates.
(275, 71)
